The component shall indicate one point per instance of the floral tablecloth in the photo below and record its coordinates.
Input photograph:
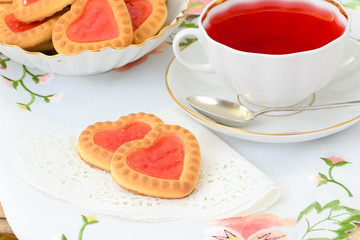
(333, 212)
(322, 202)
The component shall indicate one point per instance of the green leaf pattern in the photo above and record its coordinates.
(188, 22)
(87, 221)
(330, 178)
(318, 221)
(331, 219)
(353, 4)
(3, 62)
(16, 83)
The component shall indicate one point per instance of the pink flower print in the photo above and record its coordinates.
(56, 97)
(315, 178)
(264, 226)
(221, 233)
(197, 6)
(355, 234)
(10, 83)
(45, 79)
(2, 68)
(335, 160)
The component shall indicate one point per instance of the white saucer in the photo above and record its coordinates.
(183, 82)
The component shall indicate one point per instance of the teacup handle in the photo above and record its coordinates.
(205, 67)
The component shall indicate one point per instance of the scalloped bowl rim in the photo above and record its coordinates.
(181, 15)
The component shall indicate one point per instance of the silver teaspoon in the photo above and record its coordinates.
(235, 115)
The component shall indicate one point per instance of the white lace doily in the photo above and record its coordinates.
(227, 186)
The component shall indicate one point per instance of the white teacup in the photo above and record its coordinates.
(268, 79)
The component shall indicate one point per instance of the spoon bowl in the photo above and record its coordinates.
(232, 114)
(220, 110)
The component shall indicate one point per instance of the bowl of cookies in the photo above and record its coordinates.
(85, 37)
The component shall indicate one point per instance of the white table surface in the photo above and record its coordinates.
(108, 96)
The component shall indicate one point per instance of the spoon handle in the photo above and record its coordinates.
(316, 107)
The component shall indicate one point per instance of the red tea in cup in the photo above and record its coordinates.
(286, 49)
(274, 27)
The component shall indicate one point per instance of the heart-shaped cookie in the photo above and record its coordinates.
(28, 11)
(93, 25)
(164, 164)
(14, 32)
(147, 17)
(99, 141)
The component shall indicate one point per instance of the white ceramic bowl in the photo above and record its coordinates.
(94, 62)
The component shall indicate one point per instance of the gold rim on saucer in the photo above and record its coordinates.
(239, 129)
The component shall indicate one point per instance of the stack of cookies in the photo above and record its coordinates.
(71, 26)
(144, 155)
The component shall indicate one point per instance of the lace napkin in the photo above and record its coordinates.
(228, 185)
